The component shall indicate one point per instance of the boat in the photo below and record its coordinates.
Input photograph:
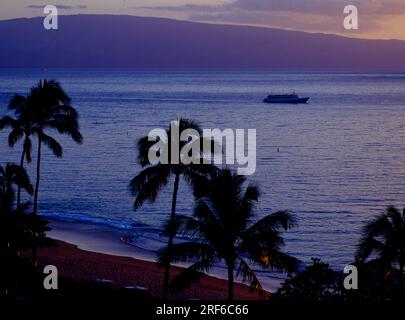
(285, 98)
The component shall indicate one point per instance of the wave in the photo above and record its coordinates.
(137, 234)
(75, 217)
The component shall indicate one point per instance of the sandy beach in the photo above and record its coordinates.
(83, 252)
(129, 272)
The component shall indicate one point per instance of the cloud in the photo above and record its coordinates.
(35, 6)
(186, 8)
(59, 6)
(320, 7)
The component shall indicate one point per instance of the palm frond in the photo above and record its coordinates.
(186, 252)
(76, 135)
(66, 127)
(260, 239)
(198, 177)
(206, 212)
(185, 124)
(28, 149)
(147, 184)
(15, 135)
(144, 146)
(247, 274)
(18, 175)
(274, 259)
(52, 89)
(64, 119)
(377, 227)
(190, 275)
(185, 226)
(52, 144)
(367, 247)
(202, 255)
(383, 237)
(12, 175)
(274, 221)
(67, 110)
(248, 203)
(395, 216)
(17, 102)
(7, 121)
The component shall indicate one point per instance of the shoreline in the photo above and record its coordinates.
(101, 239)
(96, 238)
(126, 272)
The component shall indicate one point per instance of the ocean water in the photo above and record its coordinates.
(335, 162)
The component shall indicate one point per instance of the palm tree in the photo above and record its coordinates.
(20, 128)
(222, 228)
(19, 230)
(384, 237)
(12, 175)
(47, 106)
(149, 182)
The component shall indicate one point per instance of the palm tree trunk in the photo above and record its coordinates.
(401, 266)
(19, 188)
(34, 248)
(171, 237)
(38, 176)
(230, 281)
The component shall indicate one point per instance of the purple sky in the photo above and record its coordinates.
(378, 18)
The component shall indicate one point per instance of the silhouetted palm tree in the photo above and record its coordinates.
(19, 230)
(12, 175)
(384, 237)
(149, 182)
(223, 229)
(20, 128)
(47, 106)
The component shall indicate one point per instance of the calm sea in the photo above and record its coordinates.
(335, 163)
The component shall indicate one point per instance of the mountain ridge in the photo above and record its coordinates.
(123, 41)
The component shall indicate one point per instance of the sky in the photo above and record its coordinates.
(378, 19)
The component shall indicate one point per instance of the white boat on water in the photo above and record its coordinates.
(285, 98)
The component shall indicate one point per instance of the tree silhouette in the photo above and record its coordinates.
(47, 106)
(20, 128)
(149, 182)
(12, 175)
(384, 238)
(223, 228)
